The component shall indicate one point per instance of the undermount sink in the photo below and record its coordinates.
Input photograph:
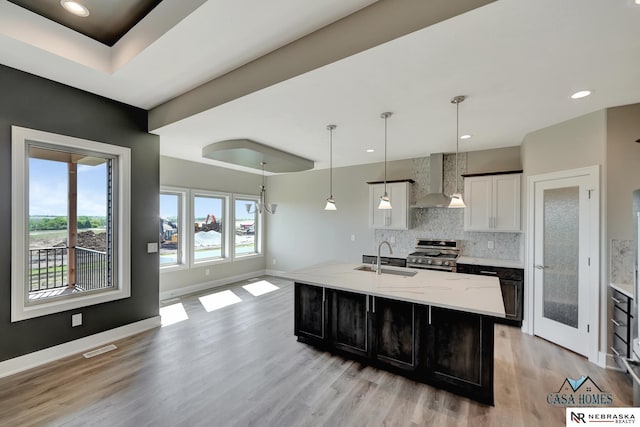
(370, 268)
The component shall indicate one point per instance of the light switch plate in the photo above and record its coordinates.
(152, 248)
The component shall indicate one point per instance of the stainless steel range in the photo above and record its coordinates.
(434, 255)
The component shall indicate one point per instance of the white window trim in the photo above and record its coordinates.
(228, 256)
(259, 235)
(20, 307)
(184, 235)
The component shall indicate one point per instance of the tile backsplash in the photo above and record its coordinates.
(621, 256)
(443, 223)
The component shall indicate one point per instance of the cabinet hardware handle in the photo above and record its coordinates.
(429, 315)
(488, 272)
(616, 300)
(615, 351)
(615, 322)
(367, 303)
(373, 305)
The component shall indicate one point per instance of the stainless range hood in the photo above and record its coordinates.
(436, 198)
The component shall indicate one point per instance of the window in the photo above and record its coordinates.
(70, 223)
(210, 212)
(247, 227)
(172, 228)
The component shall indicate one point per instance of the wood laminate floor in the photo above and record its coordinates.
(242, 366)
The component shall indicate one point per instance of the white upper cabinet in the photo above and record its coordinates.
(396, 218)
(493, 203)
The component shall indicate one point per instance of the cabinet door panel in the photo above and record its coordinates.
(455, 345)
(349, 322)
(378, 218)
(395, 333)
(477, 192)
(506, 194)
(310, 313)
(511, 297)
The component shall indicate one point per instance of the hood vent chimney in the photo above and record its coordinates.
(436, 198)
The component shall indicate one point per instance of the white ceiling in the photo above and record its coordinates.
(516, 60)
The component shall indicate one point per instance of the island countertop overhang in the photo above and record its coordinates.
(464, 292)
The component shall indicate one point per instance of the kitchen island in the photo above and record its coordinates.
(432, 326)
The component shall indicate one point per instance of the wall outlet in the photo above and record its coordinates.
(392, 239)
(207, 271)
(490, 244)
(76, 320)
(353, 237)
(152, 248)
(273, 261)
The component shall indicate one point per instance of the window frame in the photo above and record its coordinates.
(258, 226)
(225, 241)
(21, 308)
(184, 237)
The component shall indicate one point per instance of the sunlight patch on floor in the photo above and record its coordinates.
(261, 287)
(173, 313)
(218, 300)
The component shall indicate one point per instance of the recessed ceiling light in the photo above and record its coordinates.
(370, 150)
(637, 1)
(581, 94)
(75, 8)
(466, 136)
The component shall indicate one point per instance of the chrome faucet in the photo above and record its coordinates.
(378, 269)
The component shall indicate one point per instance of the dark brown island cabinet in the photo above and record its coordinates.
(449, 349)
(511, 285)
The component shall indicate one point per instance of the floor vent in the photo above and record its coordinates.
(99, 351)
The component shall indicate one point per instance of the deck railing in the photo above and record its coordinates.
(49, 269)
(91, 269)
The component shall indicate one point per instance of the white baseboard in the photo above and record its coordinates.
(276, 273)
(173, 293)
(37, 358)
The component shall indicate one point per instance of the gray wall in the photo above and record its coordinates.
(36, 103)
(182, 173)
(623, 173)
(302, 233)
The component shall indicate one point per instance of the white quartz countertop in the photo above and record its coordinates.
(465, 292)
(625, 288)
(490, 262)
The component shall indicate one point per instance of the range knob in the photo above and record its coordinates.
(446, 263)
(419, 261)
(429, 261)
(438, 262)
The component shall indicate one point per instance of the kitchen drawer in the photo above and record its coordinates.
(619, 346)
(486, 270)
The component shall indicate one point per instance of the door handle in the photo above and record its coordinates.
(540, 267)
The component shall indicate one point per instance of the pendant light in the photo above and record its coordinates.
(331, 204)
(456, 197)
(385, 202)
(262, 204)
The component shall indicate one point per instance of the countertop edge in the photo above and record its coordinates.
(624, 288)
(493, 262)
(298, 276)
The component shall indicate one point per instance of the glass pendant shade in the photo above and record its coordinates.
(456, 201)
(385, 203)
(331, 205)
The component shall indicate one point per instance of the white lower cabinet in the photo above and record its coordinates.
(493, 203)
(396, 218)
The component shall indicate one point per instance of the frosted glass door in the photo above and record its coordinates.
(560, 254)
(563, 277)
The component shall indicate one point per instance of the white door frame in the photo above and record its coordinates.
(594, 254)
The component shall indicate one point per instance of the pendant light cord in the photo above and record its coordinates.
(385, 154)
(330, 162)
(457, 141)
